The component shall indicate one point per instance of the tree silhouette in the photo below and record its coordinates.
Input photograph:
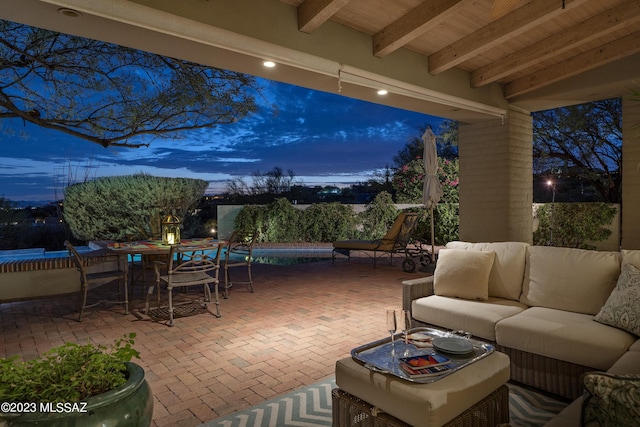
(447, 142)
(109, 94)
(582, 142)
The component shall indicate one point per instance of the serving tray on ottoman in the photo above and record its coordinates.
(378, 357)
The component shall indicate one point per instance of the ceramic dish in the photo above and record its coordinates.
(452, 345)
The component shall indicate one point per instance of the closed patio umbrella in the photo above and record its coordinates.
(432, 189)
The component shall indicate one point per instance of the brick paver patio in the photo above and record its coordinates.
(286, 335)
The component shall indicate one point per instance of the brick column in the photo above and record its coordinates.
(496, 179)
(630, 228)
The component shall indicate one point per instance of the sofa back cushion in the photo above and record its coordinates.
(569, 279)
(631, 256)
(505, 279)
(463, 274)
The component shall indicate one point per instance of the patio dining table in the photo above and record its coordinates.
(156, 247)
(150, 250)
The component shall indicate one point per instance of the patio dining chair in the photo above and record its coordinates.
(98, 269)
(238, 254)
(143, 271)
(188, 266)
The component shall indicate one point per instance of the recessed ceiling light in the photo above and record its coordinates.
(382, 92)
(269, 64)
(69, 13)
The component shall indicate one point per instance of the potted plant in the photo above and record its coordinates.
(76, 385)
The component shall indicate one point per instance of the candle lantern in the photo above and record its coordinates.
(170, 230)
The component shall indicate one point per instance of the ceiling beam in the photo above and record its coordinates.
(619, 17)
(519, 21)
(499, 8)
(313, 13)
(413, 24)
(618, 49)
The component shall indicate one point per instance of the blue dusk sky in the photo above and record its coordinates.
(325, 139)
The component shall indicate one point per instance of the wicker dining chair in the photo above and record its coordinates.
(240, 248)
(189, 266)
(96, 270)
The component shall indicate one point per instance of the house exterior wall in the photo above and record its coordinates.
(630, 174)
(496, 179)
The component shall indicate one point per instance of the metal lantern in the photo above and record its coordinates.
(170, 230)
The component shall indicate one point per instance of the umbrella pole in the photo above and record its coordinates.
(433, 246)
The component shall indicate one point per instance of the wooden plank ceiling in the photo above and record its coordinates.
(522, 44)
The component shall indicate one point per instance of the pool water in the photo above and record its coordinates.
(260, 256)
(288, 256)
(37, 254)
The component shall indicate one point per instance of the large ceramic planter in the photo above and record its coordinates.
(130, 405)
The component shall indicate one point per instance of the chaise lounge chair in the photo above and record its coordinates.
(395, 241)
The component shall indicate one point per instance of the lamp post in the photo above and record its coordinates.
(552, 186)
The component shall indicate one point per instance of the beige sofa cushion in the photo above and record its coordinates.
(629, 363)
(476, 317)
(505, 279)
(463, 274)
(569, 279)
(630, 257)
(564, 335)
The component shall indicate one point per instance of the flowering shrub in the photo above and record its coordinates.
(409, 179)
(408, 182)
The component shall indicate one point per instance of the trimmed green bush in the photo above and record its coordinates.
(377, 217)
(446, 223)
(282, 222)
(127, 207)
(251, 218)
(573, 225)
(276, 222)
(327, 222)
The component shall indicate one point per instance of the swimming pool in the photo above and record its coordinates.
(278, 256)
(289, 256)
(36, 273)
(37, 253)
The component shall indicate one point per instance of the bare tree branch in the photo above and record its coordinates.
(585, 138)
(111, 95)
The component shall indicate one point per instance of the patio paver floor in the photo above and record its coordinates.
(286, 335)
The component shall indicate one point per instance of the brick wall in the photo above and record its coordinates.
(496, 179)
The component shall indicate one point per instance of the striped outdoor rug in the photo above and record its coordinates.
(311, 406)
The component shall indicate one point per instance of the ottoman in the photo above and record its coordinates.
(476, 395)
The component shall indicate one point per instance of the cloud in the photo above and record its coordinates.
(320, 136)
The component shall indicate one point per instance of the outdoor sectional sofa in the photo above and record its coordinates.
(558, 313)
